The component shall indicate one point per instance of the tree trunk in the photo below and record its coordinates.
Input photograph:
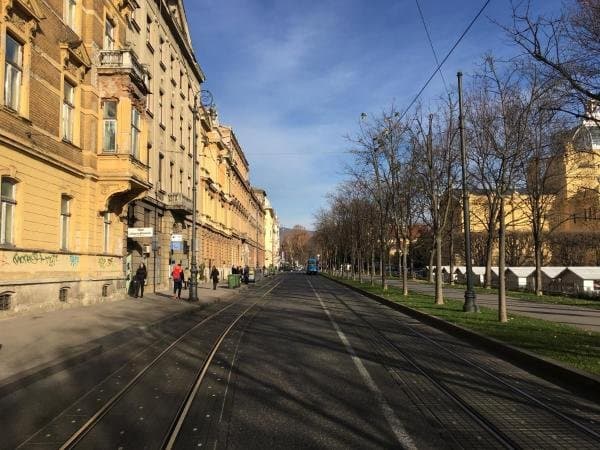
(405, 268)
(382, 268)
(360, 268)
(502, 315)
(431, 255)
(451, 254)
(439, 295)
(400, 253)
(538, 266)
(372, 265)
(488, 265)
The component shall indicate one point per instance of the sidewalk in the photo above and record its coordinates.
(585, 318)
(32, 343)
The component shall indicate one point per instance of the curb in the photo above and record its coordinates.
(574, 380)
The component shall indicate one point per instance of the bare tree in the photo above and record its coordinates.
(436, 171)
(567, 49)
(500, 118)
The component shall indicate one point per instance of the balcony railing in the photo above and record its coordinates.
(124, 60)
(179, 202)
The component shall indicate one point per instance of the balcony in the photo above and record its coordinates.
(124, 61)
(122, 179)
(178, 202)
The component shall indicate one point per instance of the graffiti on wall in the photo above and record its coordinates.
(35, 258)
(106, 263)
(74, 260)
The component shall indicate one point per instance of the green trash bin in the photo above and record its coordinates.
(231, 281)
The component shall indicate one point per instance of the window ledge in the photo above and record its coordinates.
(150, 47)
(162, 125)
(173, 138)
(162, 66)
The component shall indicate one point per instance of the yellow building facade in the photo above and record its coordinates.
(63, 196)
(572, 204)
(97, 107)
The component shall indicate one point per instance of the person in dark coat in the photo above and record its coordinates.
(214, 276)
(140, 280)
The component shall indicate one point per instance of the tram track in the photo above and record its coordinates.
(185, 354)
(505, 437)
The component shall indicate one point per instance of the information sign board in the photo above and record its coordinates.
(140, 232)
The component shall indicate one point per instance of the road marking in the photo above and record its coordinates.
(396, 425)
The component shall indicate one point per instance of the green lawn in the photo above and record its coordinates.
(531, 297)
(567, 344)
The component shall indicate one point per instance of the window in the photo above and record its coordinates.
(161, 44)
(63, 294)
(13, 71)
(146, 218)
(7, 211)
(5, 301)
(181, 141)
(135, 133)
(160, 108)
(181, 180)
(68, 111)
(109, 124)
(161, 161)
(105, 288)
(172, 120)
(109, 35)
(65, 216)
(70, 13)
(150, 97)
(171, 164)
(106, 232)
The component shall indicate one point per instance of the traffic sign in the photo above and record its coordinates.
(177, 238)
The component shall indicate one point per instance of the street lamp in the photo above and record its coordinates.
(470, 304)
(193, 283)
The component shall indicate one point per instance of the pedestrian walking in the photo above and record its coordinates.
(246, 274)
(140, 279)
(178, 278)
(214, 276)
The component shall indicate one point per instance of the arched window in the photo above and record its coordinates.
(7, 210)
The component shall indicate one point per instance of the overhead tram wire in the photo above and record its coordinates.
(439, 66)
(435, 56)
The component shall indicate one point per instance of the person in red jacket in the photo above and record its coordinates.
(177, 275)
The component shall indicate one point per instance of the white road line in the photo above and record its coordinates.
(403, 437)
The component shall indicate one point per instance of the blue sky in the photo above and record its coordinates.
(293, 76)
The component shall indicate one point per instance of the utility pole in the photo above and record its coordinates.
(470, 304)
(193, 284)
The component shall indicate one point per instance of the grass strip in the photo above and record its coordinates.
(567, 344)
(548, 299)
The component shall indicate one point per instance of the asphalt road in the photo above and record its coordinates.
(310, 365)
(580, 317)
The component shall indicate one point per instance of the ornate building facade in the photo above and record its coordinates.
(98, 103)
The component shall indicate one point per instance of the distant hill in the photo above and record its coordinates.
(284, 231)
